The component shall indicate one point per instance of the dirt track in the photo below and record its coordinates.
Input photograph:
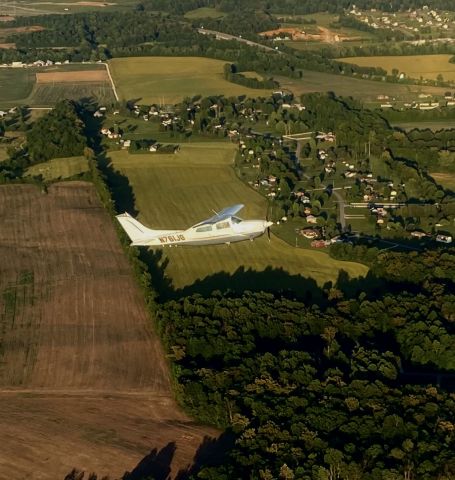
(83, 380)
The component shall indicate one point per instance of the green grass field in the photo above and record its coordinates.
(414, 66)
(170, 79)
(59, 168)
(365, 90)
(177, 191)
(204, 12)
(16, 84)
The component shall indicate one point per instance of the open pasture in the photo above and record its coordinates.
(365, 90)
(16, 85)
(414, 66)
(170, 79)
(179, 190)
(83, 378)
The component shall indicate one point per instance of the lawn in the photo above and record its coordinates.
(177, 191)
(170, 79)
(59, 168)
(414, 66)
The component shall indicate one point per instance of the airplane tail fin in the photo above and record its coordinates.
(134, 229)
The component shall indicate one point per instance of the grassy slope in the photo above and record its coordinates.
(366, 90)
(204, 12)
(59, 168)
(153, 79)
(414, 66)
(176, 191)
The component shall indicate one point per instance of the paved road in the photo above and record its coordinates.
(341, 204)
(227, 36)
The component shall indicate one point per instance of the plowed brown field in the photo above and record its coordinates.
(72, 77)
(83, 378)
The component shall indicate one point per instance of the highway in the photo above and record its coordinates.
(227, 36)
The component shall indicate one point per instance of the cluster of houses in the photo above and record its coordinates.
(415, 21)
(37, 63)
(427, 104)
(441, 238)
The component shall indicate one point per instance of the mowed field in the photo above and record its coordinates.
(83, 378)
(46, 86)
(170, 79)
(414, 66)
(365, 90)
(177, 191)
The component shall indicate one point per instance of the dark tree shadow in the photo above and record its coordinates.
(155, 465)
(211, 452)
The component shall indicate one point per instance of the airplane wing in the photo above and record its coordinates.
(225, 213)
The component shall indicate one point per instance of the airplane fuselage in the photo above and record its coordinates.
(203, 235)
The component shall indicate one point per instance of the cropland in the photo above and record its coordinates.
(178, 190)
(365, 90)
(170, 79)
(46, 86)
(83, 378)
(413, 66)
(447, 180)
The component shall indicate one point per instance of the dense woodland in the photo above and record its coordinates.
(321, 393)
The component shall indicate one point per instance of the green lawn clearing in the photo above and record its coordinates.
(178, 190)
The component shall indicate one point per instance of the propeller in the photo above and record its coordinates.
(268, 223)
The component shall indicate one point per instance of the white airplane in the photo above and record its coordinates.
(223, 227)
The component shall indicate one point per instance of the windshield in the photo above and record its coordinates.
(236, 220)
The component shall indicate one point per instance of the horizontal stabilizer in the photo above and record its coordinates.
(138, 233)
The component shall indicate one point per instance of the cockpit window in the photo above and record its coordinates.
(204, 228)
(221, 225)
(236, 220)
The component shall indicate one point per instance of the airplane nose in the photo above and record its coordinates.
(267, 224)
